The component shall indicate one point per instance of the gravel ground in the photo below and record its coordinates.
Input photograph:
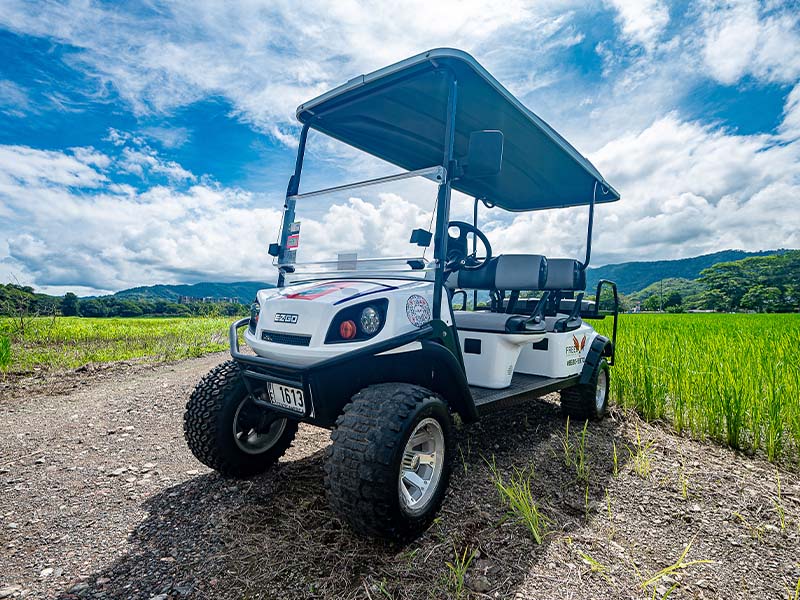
(100, 498)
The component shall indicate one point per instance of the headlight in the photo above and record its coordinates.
(255, 309)
(358, 322)
(370, 321)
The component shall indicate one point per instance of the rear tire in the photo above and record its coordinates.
(378, 480)
(227, 432)
(590, 400)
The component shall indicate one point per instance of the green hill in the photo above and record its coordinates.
(243, 291)
(635, 276)
(686, 287)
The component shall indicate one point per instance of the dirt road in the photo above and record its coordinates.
(99, 498)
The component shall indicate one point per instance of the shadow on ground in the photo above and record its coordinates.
(274, 537)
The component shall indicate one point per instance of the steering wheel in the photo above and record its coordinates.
(457, 248)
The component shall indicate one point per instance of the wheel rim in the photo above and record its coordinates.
(252, 430)
(421, 467)
(600, 391)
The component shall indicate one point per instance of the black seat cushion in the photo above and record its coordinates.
(565, 274)
(490, 322)
(505, 272)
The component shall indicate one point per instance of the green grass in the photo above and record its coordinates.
(70, 342)
(517, 495)
(731, 378)
(458, 571)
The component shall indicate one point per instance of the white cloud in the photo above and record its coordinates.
(74, 217)
(642, 21)
(790, 127)
(14, 100)
(268, 57)
(690, 189)
(741, 41)
(140, 162)
(27, 167)
(170, 137)
(61, 231)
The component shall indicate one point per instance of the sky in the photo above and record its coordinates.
(151, 142)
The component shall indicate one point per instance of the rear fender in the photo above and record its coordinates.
(600, 348)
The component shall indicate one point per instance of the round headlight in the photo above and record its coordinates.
(370, 320)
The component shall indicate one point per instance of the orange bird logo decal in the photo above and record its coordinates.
(579, 345)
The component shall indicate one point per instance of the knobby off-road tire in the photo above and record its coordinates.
(590, 400)
(213, 409)
(369, 450)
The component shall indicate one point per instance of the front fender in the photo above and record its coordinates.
(430, 365)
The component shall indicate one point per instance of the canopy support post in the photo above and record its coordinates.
(443, 197)
(289, 204)
(474, 251)
(589, 232)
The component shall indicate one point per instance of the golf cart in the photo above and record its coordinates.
(374, 348)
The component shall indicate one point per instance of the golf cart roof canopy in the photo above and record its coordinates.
(398, 114)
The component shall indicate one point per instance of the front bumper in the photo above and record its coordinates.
(313, 379)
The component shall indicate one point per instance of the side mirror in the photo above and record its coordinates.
(485, 155)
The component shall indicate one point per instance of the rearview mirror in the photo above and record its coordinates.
(485, 155)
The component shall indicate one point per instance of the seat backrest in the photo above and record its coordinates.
(565, 274)
(508, 272)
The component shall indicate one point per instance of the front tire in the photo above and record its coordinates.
(226, 431)
(388, 467)
(590, 400)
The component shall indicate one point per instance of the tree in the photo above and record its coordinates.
(92, 308)
(69, 305)
(673, 299)
(129, 308)
(714, 300)
(652, 303)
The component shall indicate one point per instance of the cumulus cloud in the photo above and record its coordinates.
(62, 231)
(67, 233)
(740, 40)
(132, 215)
(692, 188)
(642, 21)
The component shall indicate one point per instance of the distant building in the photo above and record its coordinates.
(207, 299)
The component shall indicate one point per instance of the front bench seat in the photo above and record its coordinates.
(489, 322)
(505, 272)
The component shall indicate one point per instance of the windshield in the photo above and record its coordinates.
(365, 228)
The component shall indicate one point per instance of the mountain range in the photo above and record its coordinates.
(630, 277)
(243, 291)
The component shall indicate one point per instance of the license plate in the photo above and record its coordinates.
(286, 397)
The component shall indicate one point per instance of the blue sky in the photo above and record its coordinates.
(151, 142)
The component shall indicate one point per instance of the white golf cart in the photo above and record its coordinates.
(374, 348)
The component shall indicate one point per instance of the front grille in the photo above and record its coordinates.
(292, 339)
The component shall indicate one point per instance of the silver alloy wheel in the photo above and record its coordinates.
(421, 467)
(600, 390)
(247, 438)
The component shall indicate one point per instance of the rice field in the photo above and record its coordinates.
(70, 342)
(732, 378)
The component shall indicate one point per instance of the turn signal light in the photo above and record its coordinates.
(348, 330)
